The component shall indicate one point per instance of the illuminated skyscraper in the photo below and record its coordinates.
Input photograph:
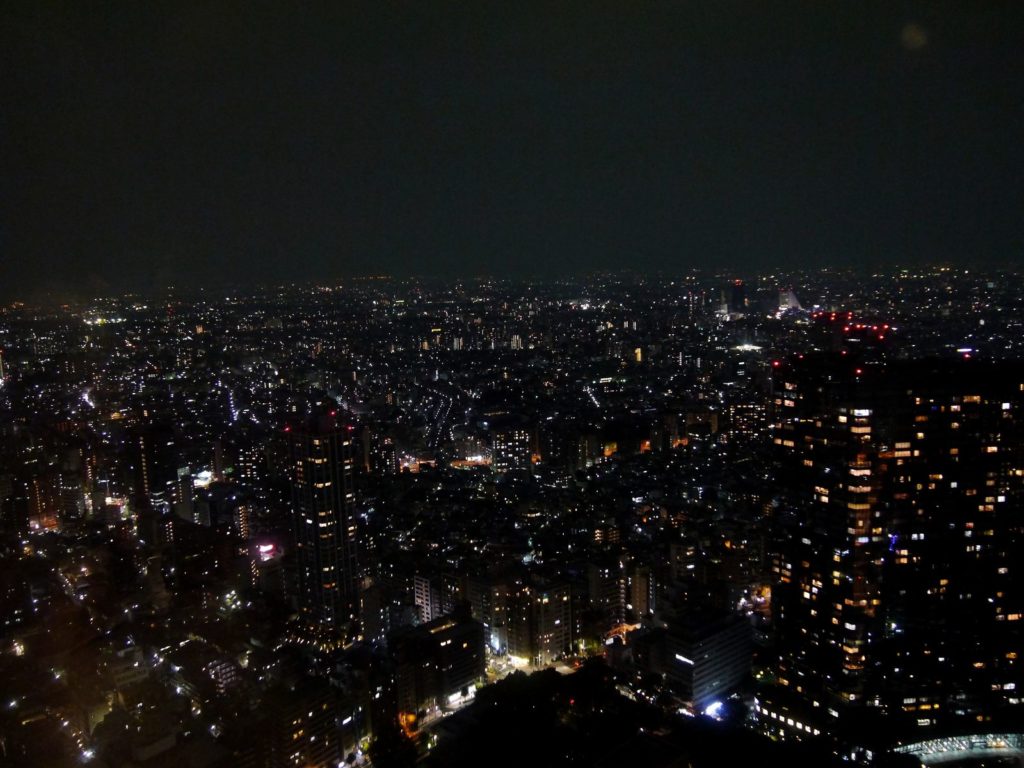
(899, 591)
(538, 619)
(828, 602)
(510, 448)
(324, 524)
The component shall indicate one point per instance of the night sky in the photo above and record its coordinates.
(207, 142)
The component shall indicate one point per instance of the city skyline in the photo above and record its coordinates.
(548, 384)
(712, 518)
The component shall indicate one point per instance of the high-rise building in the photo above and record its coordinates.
(487, 598)
(297, 723)
(324, 523)
(828, 603)
(250, 464)
(438, 662)
(953, 588)
(738, 297)
(747, 422)
(510, 448)
(897, 587)
(642, 592)
(155, 460)
(708, 655)
(374, 610)
(608, 582)
(538, 619)
(434, 596)
(427, 599)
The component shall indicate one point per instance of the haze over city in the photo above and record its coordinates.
(221, 142)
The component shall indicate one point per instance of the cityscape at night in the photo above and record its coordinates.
(293, 526)
(591, 385)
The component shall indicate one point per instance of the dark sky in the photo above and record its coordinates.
(207, 142)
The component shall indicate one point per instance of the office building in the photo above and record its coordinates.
(538, 621)
(510, 448)
(324, 524)
(708, 655)
(437, 663)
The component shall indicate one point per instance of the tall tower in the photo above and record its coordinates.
(323, 522)
(898, 590)
(828, 598)
(738, 297)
